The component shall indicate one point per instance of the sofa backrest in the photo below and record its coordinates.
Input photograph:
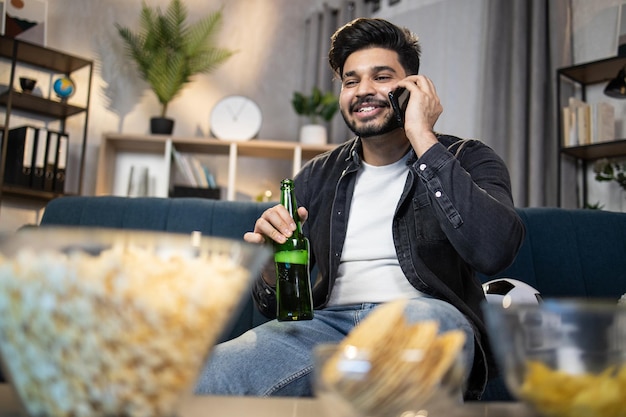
(571, 253)
(181, 215)
(566, 252)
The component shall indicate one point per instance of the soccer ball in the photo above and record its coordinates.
(508, 292)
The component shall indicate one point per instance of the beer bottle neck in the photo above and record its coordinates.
(288, 199)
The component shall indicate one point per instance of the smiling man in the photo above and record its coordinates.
(397, 212)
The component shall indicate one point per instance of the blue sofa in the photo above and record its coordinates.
(566, 253)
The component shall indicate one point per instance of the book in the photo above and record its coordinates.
(576, 123)
(184, 167)
(198, 172)
(569, 127)
(581, 123)
(603, 122)
(209, 177)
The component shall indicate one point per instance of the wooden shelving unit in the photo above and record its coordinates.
(20, 53)
(582, 76)
(159, 147)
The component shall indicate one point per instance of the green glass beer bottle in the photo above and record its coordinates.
(293, 284)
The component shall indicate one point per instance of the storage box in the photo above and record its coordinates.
(182, 191)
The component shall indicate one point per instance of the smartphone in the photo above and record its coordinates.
(399, 99)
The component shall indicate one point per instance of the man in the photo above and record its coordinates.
(396, 212)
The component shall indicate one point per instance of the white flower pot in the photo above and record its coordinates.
(313, 135)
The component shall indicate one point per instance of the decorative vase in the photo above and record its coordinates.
(161, 126)
(313, 135)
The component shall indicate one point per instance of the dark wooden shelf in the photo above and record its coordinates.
(16, 191)
(610, 149)
(40, 105)
(594, 72)
(41, 56)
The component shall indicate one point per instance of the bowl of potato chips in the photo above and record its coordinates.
(387, 367)
(102, 322)
(565, 357)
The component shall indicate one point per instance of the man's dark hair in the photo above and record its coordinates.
(365, 33)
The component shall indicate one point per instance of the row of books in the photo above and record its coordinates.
(36, 159)
(194, 173)
(584, 123)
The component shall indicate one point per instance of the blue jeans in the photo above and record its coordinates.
(275, 358)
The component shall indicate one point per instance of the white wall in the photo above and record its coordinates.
(269, 38)
(451, 34)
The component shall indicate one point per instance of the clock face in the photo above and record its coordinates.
(236, 118)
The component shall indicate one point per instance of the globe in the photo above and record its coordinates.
(64, 87)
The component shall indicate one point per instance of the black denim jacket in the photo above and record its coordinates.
(455, 216)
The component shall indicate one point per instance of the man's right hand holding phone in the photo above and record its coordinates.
(423, 108)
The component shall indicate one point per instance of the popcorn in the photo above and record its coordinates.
(122, 333)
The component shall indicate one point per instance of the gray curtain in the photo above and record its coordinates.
(526, 42)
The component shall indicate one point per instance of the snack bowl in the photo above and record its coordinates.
(563, 357)
(99, 322)
(386, 367)
(351, 383)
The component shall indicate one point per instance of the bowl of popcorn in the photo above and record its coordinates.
(386, 367)
(100, 322)
(565, 358)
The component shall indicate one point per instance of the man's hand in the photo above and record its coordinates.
(275, 224)
(422, 112)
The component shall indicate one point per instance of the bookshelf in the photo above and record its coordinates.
(156, 151)
(580, 77)
(25, 55)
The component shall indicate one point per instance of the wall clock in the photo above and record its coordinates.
(235, 118)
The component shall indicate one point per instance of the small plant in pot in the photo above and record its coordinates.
(317, 107)
(168, 51)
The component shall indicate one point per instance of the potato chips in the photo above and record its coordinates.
(405, 364)
(559, 394)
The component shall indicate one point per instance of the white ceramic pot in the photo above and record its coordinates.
(313, 134)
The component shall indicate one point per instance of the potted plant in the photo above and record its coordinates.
(316, 107)
(612, 170)
(168, 51)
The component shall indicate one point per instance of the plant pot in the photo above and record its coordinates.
(313, 135)
(161, 126)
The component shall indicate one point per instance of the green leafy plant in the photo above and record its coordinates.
(607, 170)
(315, 106)
(168, 51)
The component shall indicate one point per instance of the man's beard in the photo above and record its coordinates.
(372, 128)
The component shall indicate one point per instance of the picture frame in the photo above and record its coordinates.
(24, 20)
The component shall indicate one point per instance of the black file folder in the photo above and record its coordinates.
(39, 165)
(51, 160)
(20, 156)
(61, 163)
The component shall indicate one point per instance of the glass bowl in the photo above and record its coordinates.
(354, 382)
(100, 322)
(565, 358)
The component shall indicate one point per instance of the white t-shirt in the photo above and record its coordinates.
(369, 270)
